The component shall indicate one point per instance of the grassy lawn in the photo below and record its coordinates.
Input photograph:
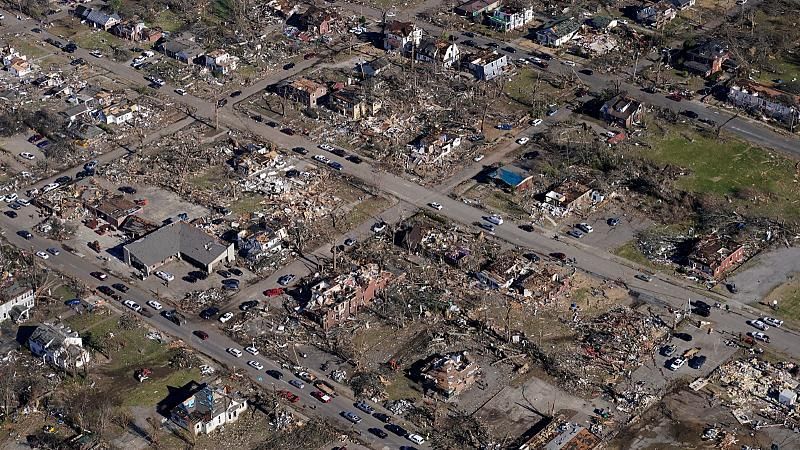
(152, 391)
(361, 213)
(505, 202)
(29, 49)
(731, 167)
(630, 252)
(85, 321)
(211, 178)
(401, 387)
(523, 86)
(98, 39)
(168, 21)
(788, 297)
(64, 292)
(129, 349)
(247, 205)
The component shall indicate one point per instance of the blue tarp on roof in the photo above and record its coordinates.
(510, 175)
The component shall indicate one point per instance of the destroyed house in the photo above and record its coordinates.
(570, 196)
(220, 62)
(507, 19)
(208, 409)
(177, 240)
(17, 302)
(487, 65)
(334, 301)
(706, 58)
(511, 177)
(435, 145)
(401, 36)
(558, 32)
(713, 256)
(257, 163)
(303, 91)
(683, 5)
(316, 20)
(623, 111)
(475, 9)
(137, 31)
(502, 272)
(655, 14)
(373, 68)
(761, 100)
(546, 285)
(114, 210)
(451, 374)
(58, 346)
(117, 114)
(352, 103)
(438, 51)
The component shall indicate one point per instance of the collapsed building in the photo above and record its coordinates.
(208, 409)
(451, 374)
(714, 255)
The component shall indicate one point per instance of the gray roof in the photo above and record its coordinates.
(101, 18)
(49, 336)
(177, 238)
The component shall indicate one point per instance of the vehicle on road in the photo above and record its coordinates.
(385, 418)
(378, 432)
(105, 290)
(351, 416)
(686, 337)
(297, 383)
(99, 275)
(180, 91)
(120, 287)
(697, 362)
(335, 165)
(235, 94)
(589, 72)
(300, 150)
(396, 429)
(378, 227)
(42, 254)
(322, 159)
(435, 205)
(250, 304)
(668, 350)
(175, 317)
(154, 304)
(486, 226)
(536, 122)
(222, 102)
(612, 222)
(643, 277)
(201, 334)
(478, 158)
(226, 317)
(510, 49)
(209, 313)
(758, 324)
(27, 155)
(338, 152)
(166, 276)
(585, 227)
(760, 336)
(63, 179)
(73, 302)
(363, 406)
(278, 375)
(287, 131)
(286, 279)
(772, 321)
(676, 364)
(255, 364)
(288, 396)
(494, 219)
(132, 305)
(252, 350)
(523, 140)
(349, 242)
(577, 234)
(324, 398)
(689, 114)
(11, 214)
(355, 159)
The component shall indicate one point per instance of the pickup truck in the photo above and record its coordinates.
(325, 387)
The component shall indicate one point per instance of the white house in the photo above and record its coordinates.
(220, 62)
(401, 36)
(208, 409)
(116, 114)
(439, 51)
(58, 346)
(19, 301)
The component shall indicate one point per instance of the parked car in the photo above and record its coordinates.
(226, 317)
(235, 94)
(697, 362)
(643, 277)
(11, 214)
(252, 350)
(536, 122)
(300, 150)
(335, 165)
(349, 242)
(297, 383)
(42, 254)
(201, 334)
(758, 324)
(154, 304)
(577, 234)
(585, 227)
(689, 114)
(378, 432)
(523, 140)
(234, 351)
(760, 336)
(120, 287)
(166, 276)
(209, 313)
(180, 91)
(27, 155)
(494, 219)
(772, 321)
(676, 364)
(415, 438)
(250, 304)
(435, 205)
(612, 222)
(378, 227)
(352, 417)
(255, 364)
(53, 251)
(385, 418)
(286, 279)
(363, 406)
(324, 398)
(668, 350)
(288, 66)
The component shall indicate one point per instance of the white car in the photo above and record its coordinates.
(226, 317)
(166, 276)
(235, 352)
(495, 219)
(252, 350)
(435, 206)
(42, 254)
(148, 53)
(772, 321)
(585, 227)
(523, 140)
(132, 305)
(677, 363)
(96, 53)
(759, 324)
(11, 197)
(23, 202)
(378, 227)
(760, 336)
(180, 91)
(326, 147)
(415, 438)
(26, 155)
(478, 158)
(322, 159)
(50, 187)
(569, 63)
(255, 364)
(154, 304)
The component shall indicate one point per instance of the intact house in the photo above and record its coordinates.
(303, 91)
(97, 18)
(715, 255)
(655, 14)
(220, 62)
(316, 20)
(475, 9)
(137, 31)
(706, 58)
(17, 303)
(767, 102)
(117, 114)
(352, 103)
(450, 375)
(438, 51)
(335, 300)
(507, 19)
(183, 49)
(511, 177)
(433, 146)
(177, 240)
(208, 409)
(622, 111)
(558, 32)
(503, 271)
(79, 111)
(372, 68)
(58, 346)
(401, 36)
(113, 210)
(487, 65)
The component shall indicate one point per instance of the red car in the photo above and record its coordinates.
(273, 292)
(321, 397)
(289, 396)
(201, 334)
(558, 255)
(288, 131)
